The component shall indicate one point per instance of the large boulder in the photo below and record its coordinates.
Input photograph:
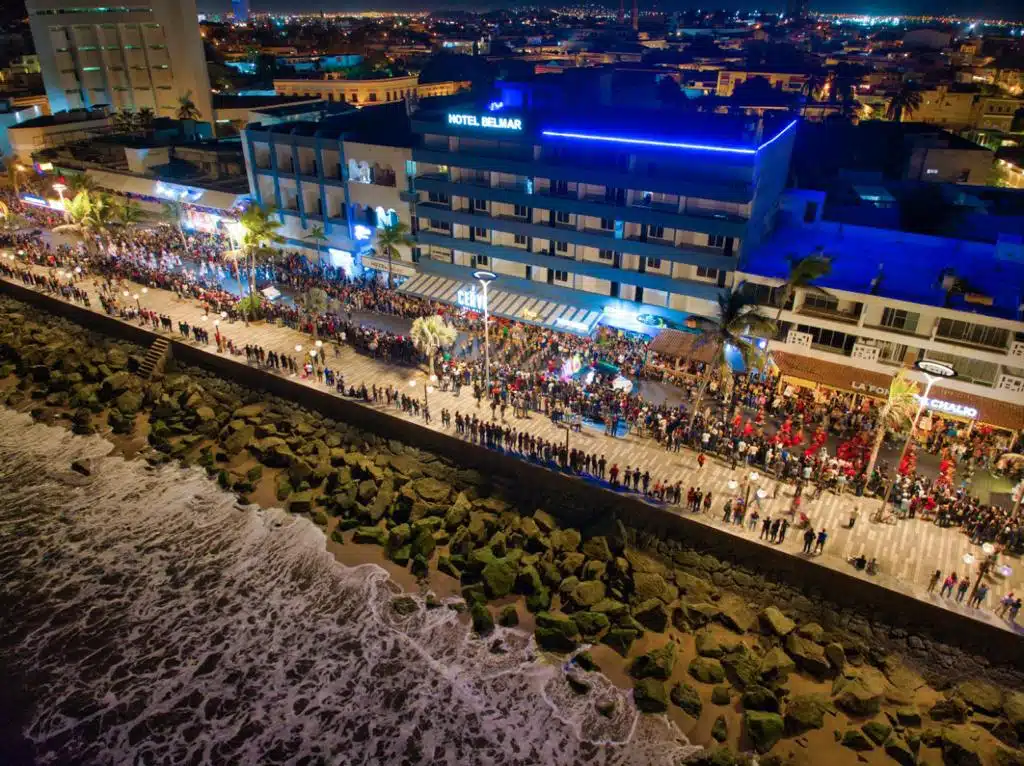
(1013, 709)
(982, 696)
(809, 656)
(706, 670)
(375, 535)
(556, 631)
(805, 712)
(483, 620)
(959, 748)
(649, 696)
(657, 663)
(859, 693)
(898, 749)
(564, 540)
(764, 729)
(776, 622)
(857, 740)
(591, 624)
(735, 615)
(776, 666)
(588, 593)
(652, 614)
(620, 639)
(707, 644)
(687, 698)
(432, 490)
(760, 698)
(499, 577)
(597, 548)
(950, 709)
(877, 731)
(648, 585)
(742, 665)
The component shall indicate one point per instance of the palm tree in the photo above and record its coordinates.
(905, 101)
(802, 271)
(314, 303)
(317, 237)
(389, 237)
(431, 334)
(899, 408)
(80, 182)
(143, 120)
(259, 229)
(737, 317)
(171, 216)
(187, 109)
(88, 215)
(122, 121)
(128, 212)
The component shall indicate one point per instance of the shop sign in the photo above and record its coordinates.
(938, 405)
(469, 298)
(869, 388)
(381, 265)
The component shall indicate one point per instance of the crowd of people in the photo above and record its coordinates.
(813, 440)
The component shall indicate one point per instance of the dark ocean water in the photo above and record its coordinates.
(147, 619)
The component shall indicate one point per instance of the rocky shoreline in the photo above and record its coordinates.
(741, 663)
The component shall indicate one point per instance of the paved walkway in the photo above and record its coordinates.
(907, 551)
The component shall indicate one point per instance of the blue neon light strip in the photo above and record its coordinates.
(649, 142)
(669, 144)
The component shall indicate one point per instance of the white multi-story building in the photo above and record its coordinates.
(894, 298)
(144, 54)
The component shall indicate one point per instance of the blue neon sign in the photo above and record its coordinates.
(668, 144)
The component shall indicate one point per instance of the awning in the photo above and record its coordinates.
(151, 187)
(845, 377)
(504, 303)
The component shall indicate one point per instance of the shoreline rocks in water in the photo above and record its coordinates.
(694, 632)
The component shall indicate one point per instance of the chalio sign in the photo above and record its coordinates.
(462, 120)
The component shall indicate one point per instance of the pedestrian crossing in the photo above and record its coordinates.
(908, 551)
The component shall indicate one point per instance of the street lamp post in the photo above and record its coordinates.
(60, 189)
(485, 278)
(933, 371)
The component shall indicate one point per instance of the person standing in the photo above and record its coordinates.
(962, 588)
(808, 540)
(978, 596)
(934, 580)
(782, 531)
(766, 527)
(948, 584)
(819, 546)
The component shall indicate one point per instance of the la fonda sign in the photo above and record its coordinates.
(482, 121)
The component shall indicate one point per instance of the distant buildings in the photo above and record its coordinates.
(128, 57)
(240, 10)
(365, 92)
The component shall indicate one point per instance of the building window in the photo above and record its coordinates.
(975, 334)
(606, 255)
(898, 319)
(561, 247)
(654, 263)
(820, 302)
(480, 204)
(561, 217)
(479, 260)
(439, 197)
(521, 211)
(480, 233)
(829, 339)
(519, 239)
(607, 224)
(656, 232)
(561, 276)
(706, 273)
(716, 240)
(560, 188)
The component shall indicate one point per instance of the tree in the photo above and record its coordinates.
(905, 101)
(314, 303)
(88, 215)
(898, 409)
(123, 121)
(171, 215)
(737, 317)
(142, 121)
(80, 182)
(317, 237)
(388, 239)
(187, 109)
(128, 212)
(802, 271)
(259, 230)
(430, 335)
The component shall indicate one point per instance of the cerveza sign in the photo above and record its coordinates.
(485, 121)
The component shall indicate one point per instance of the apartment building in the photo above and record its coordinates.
(385, 90)
(136, 56)
(894, 298)
(347, 174)
(787, 82)
(627, 217)
(951, 106)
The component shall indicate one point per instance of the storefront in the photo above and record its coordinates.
(381, 267)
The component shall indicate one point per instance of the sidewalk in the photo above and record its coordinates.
(907, 552)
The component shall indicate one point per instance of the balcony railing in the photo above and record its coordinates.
(836, 315)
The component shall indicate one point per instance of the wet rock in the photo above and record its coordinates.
(375, 535)
(742, 665)
(859, 693)
(556, 632)
(735, 615)
(588, 593)
(857, 740)
(877, 731)
(776, 622)
(597, 548)
(950, 709)
(759, 698)
(763, 729)
(898, 749)
(509, 616)
(812, 631)
(649, 585)
(657, 663)
(591, 624)
(960, 749)
(687, 699)
(836, 656)
(404, 605)
(982, 696)
(707, 644)
(652, 614)
(483, 622)
(776, 666)
(706, 670)
(302, 502)
(620, 639)
(649, 696)
(805, 712)
(719, 730)
(809, 656)
(720, 695)
(82, 466)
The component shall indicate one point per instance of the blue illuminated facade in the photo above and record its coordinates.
(640, 214)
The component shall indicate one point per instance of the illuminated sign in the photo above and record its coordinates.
(51, 204)
(176, 192)
(935, 368)
(475, 121)
(571, 324)
(42, 167)
(470, 299)
(362, 232)
(939, 405)
(871, 389)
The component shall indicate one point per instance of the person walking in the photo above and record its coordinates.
(775, 529)
(948, 584)
(934, 580)
(1005, 603)
(766, 527)
(782, 531)
(819, 546)
(962, 588)
(978, 596)
(853, 518)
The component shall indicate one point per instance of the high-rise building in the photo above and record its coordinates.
(128, 56)
(240, 10)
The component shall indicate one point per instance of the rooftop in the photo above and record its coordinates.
(387, 125)
(231, 101)
(65, 118)
(908, 267)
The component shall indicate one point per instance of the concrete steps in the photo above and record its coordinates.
(155, 359)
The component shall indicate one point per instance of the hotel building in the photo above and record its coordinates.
(365, 92)
(146, 54)
(594, 215)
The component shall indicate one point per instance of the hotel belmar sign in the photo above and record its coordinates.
(490, 121)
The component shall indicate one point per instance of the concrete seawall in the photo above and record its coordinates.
(580, 503)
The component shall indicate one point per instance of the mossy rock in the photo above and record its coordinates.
(374, 535)
(857, 740)
(591, 624)
(719, 729)
(588, 593)
(901, 752)
(649, 696)
(764, 729)
(706, 670)
(707, 644)
(499, 577)
(320, 518)
(445, 565)
(859, 694)
(483, 622)
(760, 698)
(509, 616)
(586, 661)
(950, 709)
(776, 622)
(657, 663)
(652, 614)
(959, 749)
(557, 632)
(687, 698)
(720, 695)
(620, 639)
(336, 535)
(404, 605)
(539, 601)
(805, 712)
(742, 666)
